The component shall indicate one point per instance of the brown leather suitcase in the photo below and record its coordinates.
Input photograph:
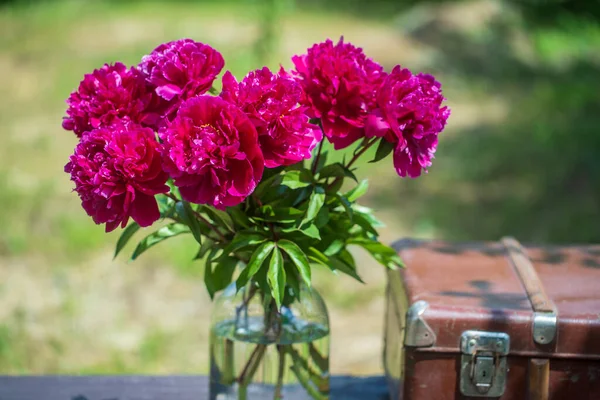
(495, 320)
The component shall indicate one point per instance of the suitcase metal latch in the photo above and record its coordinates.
(483, 363)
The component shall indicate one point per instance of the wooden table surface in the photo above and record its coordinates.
(156, 388)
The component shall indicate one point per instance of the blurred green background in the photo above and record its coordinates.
(520, 156)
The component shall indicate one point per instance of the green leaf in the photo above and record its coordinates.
(292, 279)
(187, 216)
(335, 246)
(310, 231)
(221, 274)
(238, 216)
(383, 150)
(260, 278)
(322, 217)
(242, 240)
(346, 204)
(347, 258)
(286, 214)
(338, 264)
(385, 255)
(357, 191)
(209, 277)
(125, 236)
(332, 170)
(265, 185)
(316, 201)
(205, 247)
(296, 179)
(209, 281)
(301, 195)
(276, 276)
(163, 233)
(336, 170)
(365, 224)
(166, 206)
(256, 261)
(367, 213)
(298, 258)
(317, 257)
(321, 163)
(335, 186)
(220, 218)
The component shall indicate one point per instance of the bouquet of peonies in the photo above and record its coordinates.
(242, 170)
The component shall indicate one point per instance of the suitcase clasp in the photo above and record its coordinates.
(483, 363)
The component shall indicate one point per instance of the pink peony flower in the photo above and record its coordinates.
(340, 84)
(181, 69)
(211, 151)
(109, 94)
(117, 172)
(410, 115)
(271, 102)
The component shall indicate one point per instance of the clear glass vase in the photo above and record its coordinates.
(258, 352)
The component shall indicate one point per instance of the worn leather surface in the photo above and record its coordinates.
(474, 286)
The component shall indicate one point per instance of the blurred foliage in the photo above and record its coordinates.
(536, 175)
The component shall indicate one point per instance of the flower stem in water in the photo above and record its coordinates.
(228, 364)
(280, 373)
(305, 382)
(303, 364)
(320, 361)
(249, 370)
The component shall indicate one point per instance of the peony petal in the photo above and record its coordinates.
(111, 226)
(406, 164)
(112, 168)
(168, 92)
(144, 209)
(343, 142)
(376, 125)
(242, 178)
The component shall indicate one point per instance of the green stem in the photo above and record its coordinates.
(300, 362)
(228, 377)
(305, 382)
(320, 361)
(201, 218)
(248, 295)
(280, 372)
(316, 163)
(214, 228)
(356, 157)
(172, 197)
(249, 370)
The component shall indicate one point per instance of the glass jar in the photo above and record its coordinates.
(259, 352)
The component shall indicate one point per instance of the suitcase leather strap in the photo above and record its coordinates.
(545, 314)
(544, 317)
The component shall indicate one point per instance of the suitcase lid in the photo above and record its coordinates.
(452, 288)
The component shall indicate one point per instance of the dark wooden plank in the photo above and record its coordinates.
(156, 388)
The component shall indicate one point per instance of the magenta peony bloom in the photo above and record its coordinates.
(340, 84)
(410, 115)
(181, 69)
(271, 102)
(117, 172)
(211, 151)
(109, 94)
